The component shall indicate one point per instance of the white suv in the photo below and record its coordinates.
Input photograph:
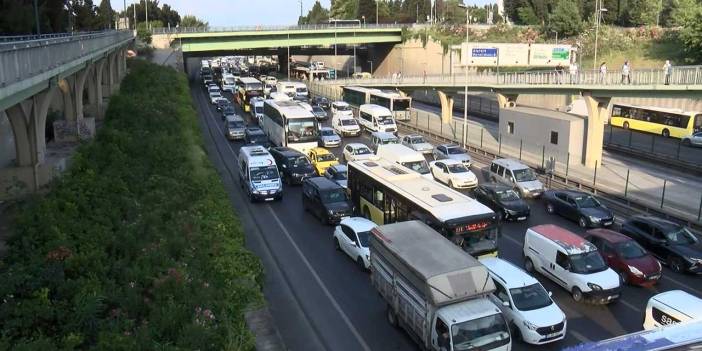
(525, 303)
(351, 236)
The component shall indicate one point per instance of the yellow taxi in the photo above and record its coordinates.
(322, 159)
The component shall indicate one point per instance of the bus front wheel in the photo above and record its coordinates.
(665, 133)
(626, 125)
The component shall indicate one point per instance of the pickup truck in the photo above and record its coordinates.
(434, 290)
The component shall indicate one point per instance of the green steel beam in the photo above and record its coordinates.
(248, 34)
(277, 41)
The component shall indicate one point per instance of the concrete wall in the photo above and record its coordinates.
(534, 128)
(411, 58)
(7, 142)
(340, 62)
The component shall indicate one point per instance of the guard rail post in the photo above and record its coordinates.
(699, 211)
(543, 156)
(665, 182)
(626, 185)
(653, 142)
(499, 145)
(482, 130)
(521, 141)
(677, 154)
(594, 179)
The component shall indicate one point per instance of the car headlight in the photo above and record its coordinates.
(594, 286)
(368, 257)
(330, 212)
(529, 325)
(594, 219)
(695, 260)
(635, 271)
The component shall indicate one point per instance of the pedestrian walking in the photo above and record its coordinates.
(667, 70)
(559, 72)
(626, 71)
(399, 77)
(425, 76)
(573, 70)
(603, 72)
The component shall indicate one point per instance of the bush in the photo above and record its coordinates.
(136, 247)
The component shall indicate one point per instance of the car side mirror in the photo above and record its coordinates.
(550, 293)
(505, 303)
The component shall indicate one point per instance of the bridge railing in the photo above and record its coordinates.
(11, 39)
(25, 59)
(681, 75)
(174, 30)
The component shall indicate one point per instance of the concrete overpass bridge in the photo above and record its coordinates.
(68, 76)
(596, 90)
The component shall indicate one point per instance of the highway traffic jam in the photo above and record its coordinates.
(453, 253)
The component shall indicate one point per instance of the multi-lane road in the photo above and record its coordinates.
(319, 298)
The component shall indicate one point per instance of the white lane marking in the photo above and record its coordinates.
(679, 283)
(346, 319)
(319, 281)
(627, 304)
(580, 337)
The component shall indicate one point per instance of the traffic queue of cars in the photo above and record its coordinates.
(591, 268)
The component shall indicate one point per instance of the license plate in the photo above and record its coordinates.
(270, 199)
(608, 223)
(612, 297)
(553, 335)
(521, 218)
(654, 277)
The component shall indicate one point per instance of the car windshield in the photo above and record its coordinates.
(229, 110)
(530, 297)
(681, 236)
(363, 238)
(258, 138)
(385, 120)
(258, 174)
(336, 195)
(326, 132)
(507, 195)
(416, 140)
(302, 130)
(258, 109)
(301, 90)
(343, 108)
(215, 94)
(586, 201)
(485, 333)
(388, 141)
(236, 124)
(455, 151)
(630, 249)
(586, 263)
(457, 168)
(325, 157)
(362, 151)
(253, 86)
(340, 175)
(417, 166)
(349, 122)
(318, 109)
(299, 161)
(524, 175)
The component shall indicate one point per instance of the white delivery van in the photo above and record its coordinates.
(434, 290)
(516, 174)
(376, 118)
(258, 174)
(229, 83)
(672, 307)
(271, 80)
(400, 154)
(571, 262)
(286, 87)
(257, 110)
(341, 108)
(345, 125)
(301, 92)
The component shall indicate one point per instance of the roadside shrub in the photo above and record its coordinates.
(136, 247)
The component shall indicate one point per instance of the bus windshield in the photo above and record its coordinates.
(343, 108)
(258, 174)
(302, 130)
(485, 333)
(420, 167)
(475, 237)
(253, 86)
(401, 105)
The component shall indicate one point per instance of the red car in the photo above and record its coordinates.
(624, 255)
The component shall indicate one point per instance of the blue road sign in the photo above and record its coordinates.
(484, 52)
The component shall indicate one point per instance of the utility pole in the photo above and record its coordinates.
(135, 20)
(417, 12)
(300, 8)
(376, 11)
(465, 69)
(36, 17)
(146, 10)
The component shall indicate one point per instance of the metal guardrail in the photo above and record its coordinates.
(681, 75)
(23, 60)
(30, 37)
(174, 30)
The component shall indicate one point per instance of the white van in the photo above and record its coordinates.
(345, 125)
(287, 88)
(405, 156)
(571, 262)
(257, 110)
(376, 118)
(229, 83)
(301, 92)
(525, 303)
(271, 80)
(341, 108)
(671, 307)
(258, 174)
(515, 174)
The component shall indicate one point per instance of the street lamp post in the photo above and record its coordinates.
(598, 16)
(371, 70)
(146, 11)
(465, 70)
(364, 20)
(376, 11)
(555, 31)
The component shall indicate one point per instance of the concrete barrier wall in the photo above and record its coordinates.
(340, 62)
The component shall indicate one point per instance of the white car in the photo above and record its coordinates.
(351, 237)
(453, 152)
(694, 139)
(526, 305)
(357, 152)
(215, 94)
(453, 173)
(417, 143)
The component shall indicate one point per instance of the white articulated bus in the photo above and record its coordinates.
(288, 124)
(399, 105)
(386, 192)
(357, 96)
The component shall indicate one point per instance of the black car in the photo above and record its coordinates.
(578, 206)
(293, 165)
(319, 113)
(326, 200)
(222, 104)
(321, 101)
(670, 242)
(503, 200)
(228, 111)
(255, 135)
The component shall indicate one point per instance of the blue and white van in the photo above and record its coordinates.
(258, 174)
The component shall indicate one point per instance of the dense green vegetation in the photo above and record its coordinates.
(136, 247)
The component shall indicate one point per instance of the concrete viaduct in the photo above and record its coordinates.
(70, 76)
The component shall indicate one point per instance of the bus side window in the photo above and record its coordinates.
(379, 198)
(698, 123)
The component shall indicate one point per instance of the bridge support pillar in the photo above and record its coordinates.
(95, 107)
(74, 127)
(446, 107)
(506, 100)
(108, 80)
(596, 116)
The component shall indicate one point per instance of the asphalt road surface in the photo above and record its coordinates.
(319, 298)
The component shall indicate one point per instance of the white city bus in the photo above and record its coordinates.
(288, 124)
(386, 192)
(673, 337)
(393, 101)
(357, 96)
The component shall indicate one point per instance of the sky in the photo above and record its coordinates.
(238, 12)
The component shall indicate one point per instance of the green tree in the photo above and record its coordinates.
(343, 9)
(189, 21)
(642, 12)
(366, 9)
(526, 15)
(84, 16)
(316, 15)
(691, 33)
(680, 11)
(452, 13)
(106, 18)
(565, 19)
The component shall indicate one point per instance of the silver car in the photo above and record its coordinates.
(328, 137)
(338, 174)
(234, 127)
(695, 139)
(417, 143)
(453, 152)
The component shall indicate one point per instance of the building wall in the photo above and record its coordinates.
(534, 130)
